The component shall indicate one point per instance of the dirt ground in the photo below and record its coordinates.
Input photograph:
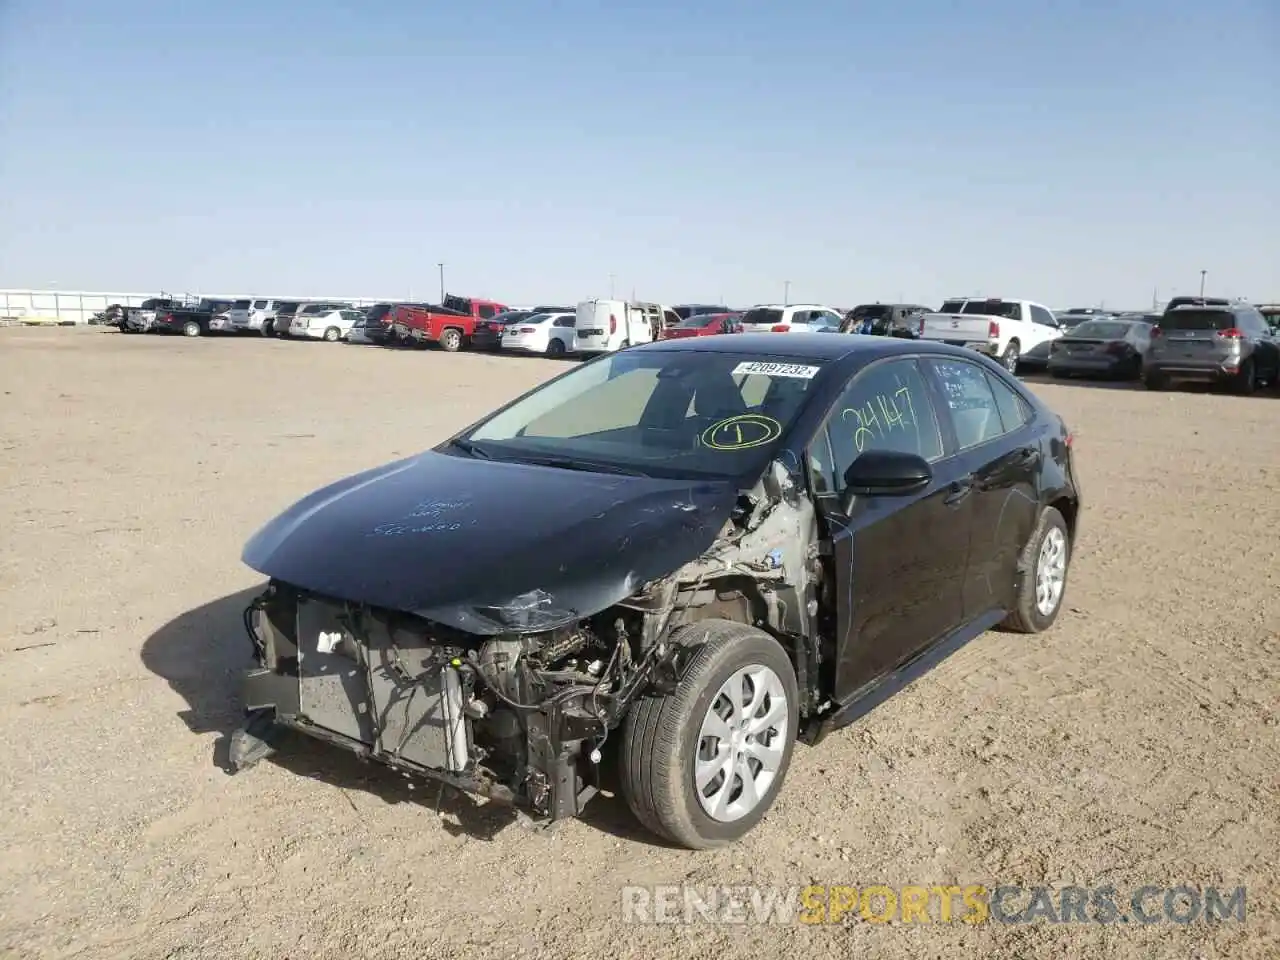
(1136, 743)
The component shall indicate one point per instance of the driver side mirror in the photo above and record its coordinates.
(885, 473)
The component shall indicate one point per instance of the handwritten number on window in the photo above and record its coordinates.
(879, 416)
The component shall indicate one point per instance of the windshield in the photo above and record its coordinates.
(1193, 319)
(1101, 330)
(241, 305)
(377, 312)
(952, 306)
(762, 315)
(871, 310)
(662, 413)
(511, 316)
(536, 318)
(993, 308)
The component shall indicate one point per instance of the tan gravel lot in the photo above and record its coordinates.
(1136, 743)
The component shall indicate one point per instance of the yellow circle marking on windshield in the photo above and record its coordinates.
(742, 432)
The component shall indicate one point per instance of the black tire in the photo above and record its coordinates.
(451, 340)
(1009, 359)
(332, 334)
(1246, 381)
(1057, 374)
(191, 329)
(1155, 381)
(1026, 616)
(555, 348)
(660, 737)
(268, 328)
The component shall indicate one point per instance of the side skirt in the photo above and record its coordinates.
(871, 695)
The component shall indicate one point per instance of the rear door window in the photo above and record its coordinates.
(970, 403)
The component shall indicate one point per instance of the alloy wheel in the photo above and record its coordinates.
(1051, 571)
(741, 744)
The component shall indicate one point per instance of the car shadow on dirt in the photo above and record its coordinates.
(202, 655)
(1096, 383)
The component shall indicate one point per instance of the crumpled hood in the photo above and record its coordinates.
(490, 547)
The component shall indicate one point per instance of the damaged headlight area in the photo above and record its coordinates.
(517, 717)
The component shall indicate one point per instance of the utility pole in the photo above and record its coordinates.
(441, 266)
(1202, 273)
(1155, 299)
(786, 293)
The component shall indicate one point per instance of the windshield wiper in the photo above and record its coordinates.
(468, 447)
(568, 463)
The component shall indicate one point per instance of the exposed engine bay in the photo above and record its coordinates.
(523, 717)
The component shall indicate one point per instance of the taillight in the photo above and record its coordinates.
(779, 328)
(1232, 333)
(1116, 346)
(167, 318)
(1156, 333)
(922, 326)
(1069, 440)
(613, 324)
(993, 330)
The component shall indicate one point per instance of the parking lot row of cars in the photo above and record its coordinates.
(1194, 338)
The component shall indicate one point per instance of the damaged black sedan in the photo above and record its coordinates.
(696, 552)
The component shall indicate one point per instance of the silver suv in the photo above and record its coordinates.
(1218, 342)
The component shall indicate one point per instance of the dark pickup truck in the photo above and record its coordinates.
(451, 325)
(190, 321)
(379, 318)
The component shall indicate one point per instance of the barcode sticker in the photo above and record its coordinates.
(798, 370)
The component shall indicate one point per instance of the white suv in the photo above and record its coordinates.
(790, 318)
(332, 325)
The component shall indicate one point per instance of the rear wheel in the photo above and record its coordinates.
(1153, 380)
(1043, 584)
(332, 334)
(191, 329)
(703, 765)
(1010, 357)
(1246, 381)
(555, 348)
(268, 327)
(451, 340)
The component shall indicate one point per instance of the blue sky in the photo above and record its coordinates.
(1072, 153)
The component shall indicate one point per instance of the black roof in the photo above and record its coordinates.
(807, 346)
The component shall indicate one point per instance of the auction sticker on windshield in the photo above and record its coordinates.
(800, 371)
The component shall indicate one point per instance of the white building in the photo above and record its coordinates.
(78, 306)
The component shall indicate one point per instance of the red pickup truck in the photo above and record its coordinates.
(451, 324)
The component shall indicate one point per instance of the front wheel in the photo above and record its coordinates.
(1010, 357)
(268, 327)
(703, 765)
(451, 341)
(191, 329)
(1043, 583)
(332, 335)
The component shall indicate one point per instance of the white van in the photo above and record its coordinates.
(607, 325)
